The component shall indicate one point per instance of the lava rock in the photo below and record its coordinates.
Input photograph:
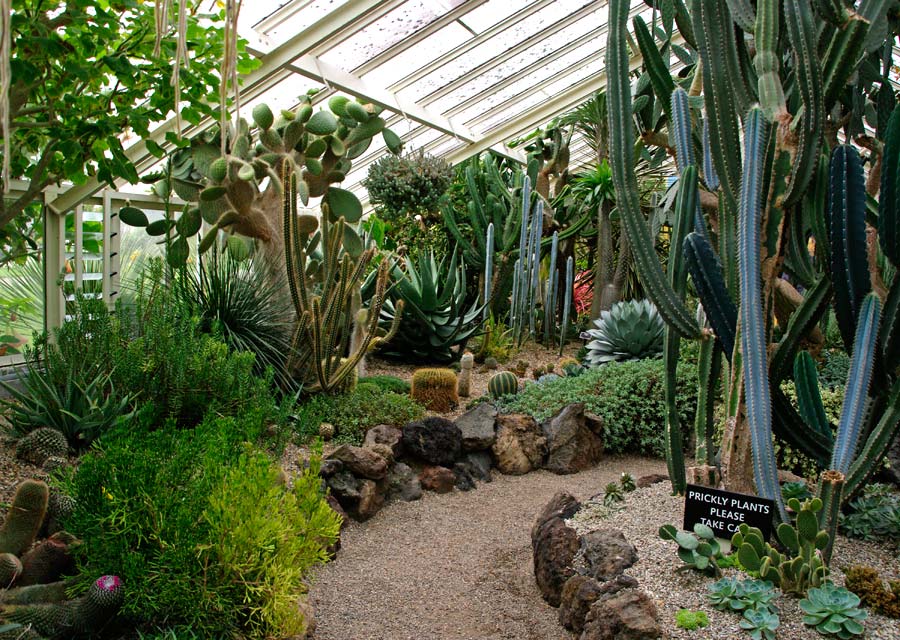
(437, 479)
(385, 434)
(605, 554)
(330, 467)
(464, 479)
(520, 444)
(403, 483)
(572, 446)
(371, 499)
(594, 423)
(477, 427)
(344, 486)
(627, 615)
(554, 547)
(434, 440)
(384, 451)
(361, 461)
(562, 505)
(479, 463)
(580, 592)
(650, 479)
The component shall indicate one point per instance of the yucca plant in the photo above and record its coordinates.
(630, 330)
(792, 74)
(436, 315)
(244, 303)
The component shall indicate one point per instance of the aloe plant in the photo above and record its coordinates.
(788, 73)
(436, 314)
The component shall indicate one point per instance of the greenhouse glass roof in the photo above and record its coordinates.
(456, 77)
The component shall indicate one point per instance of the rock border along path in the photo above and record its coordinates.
(455, 566)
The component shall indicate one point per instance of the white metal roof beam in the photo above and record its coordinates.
(272, 63)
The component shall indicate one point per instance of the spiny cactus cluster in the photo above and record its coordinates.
(435, 389)
(791, 75)
(72, 618)
(803, 565)
(42, 444)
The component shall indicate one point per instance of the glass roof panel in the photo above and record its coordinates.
(300, 19)
(482, 18)
(506, 39)
(527, 81)
(418, 55)
(385, 32)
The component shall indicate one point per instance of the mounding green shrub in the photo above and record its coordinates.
(353, 413)
(627, 395)
(392, 384)
(153, 505)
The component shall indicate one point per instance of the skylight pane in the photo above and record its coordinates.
(517, 86)
(385, 32)
(302, 19)
(482, 18)
(493, 47)
(417, 56)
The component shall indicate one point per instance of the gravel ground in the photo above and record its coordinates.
(658, 572)
(454, 566)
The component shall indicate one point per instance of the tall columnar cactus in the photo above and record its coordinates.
(567, 301)
(527, 267)
(802, 63)
(326, 264)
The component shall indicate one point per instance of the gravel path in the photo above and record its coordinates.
(452, 567)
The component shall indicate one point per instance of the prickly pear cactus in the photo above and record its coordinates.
(240, 191)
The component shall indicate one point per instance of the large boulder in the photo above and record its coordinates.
(479, 464)
(434, 440)
(403, 483)
(605, 554)
(627, 615)
(572, 446)
(437, 479)
(520, 444)
(477, 427)
(384, 434)
(580, 592)
(554, 546)
(361, 461)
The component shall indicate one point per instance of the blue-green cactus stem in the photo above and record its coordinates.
(847, 214)
(567, 301)
(858, 380)
(753, 324)
(621, 146)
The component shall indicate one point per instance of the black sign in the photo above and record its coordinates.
(724, 511)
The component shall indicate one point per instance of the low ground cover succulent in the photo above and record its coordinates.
(833, 611)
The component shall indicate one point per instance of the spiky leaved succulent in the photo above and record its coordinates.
(833, 611)
(630, 330)
(612, 494)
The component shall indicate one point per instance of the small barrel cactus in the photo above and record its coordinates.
(42, 443)
(435, 389)
(631, 330)
(502, 384)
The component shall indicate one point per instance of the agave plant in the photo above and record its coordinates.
(436, 317)
(631, 330)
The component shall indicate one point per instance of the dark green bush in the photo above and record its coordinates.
(833, 368)
(177, 514)
(388, 383)
(627, 395)
(353, 413)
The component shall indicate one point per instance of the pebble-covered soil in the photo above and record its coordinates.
(452, 567)
(659, 572)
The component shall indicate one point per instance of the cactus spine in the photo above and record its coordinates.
(435, 389)
(324, 303)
